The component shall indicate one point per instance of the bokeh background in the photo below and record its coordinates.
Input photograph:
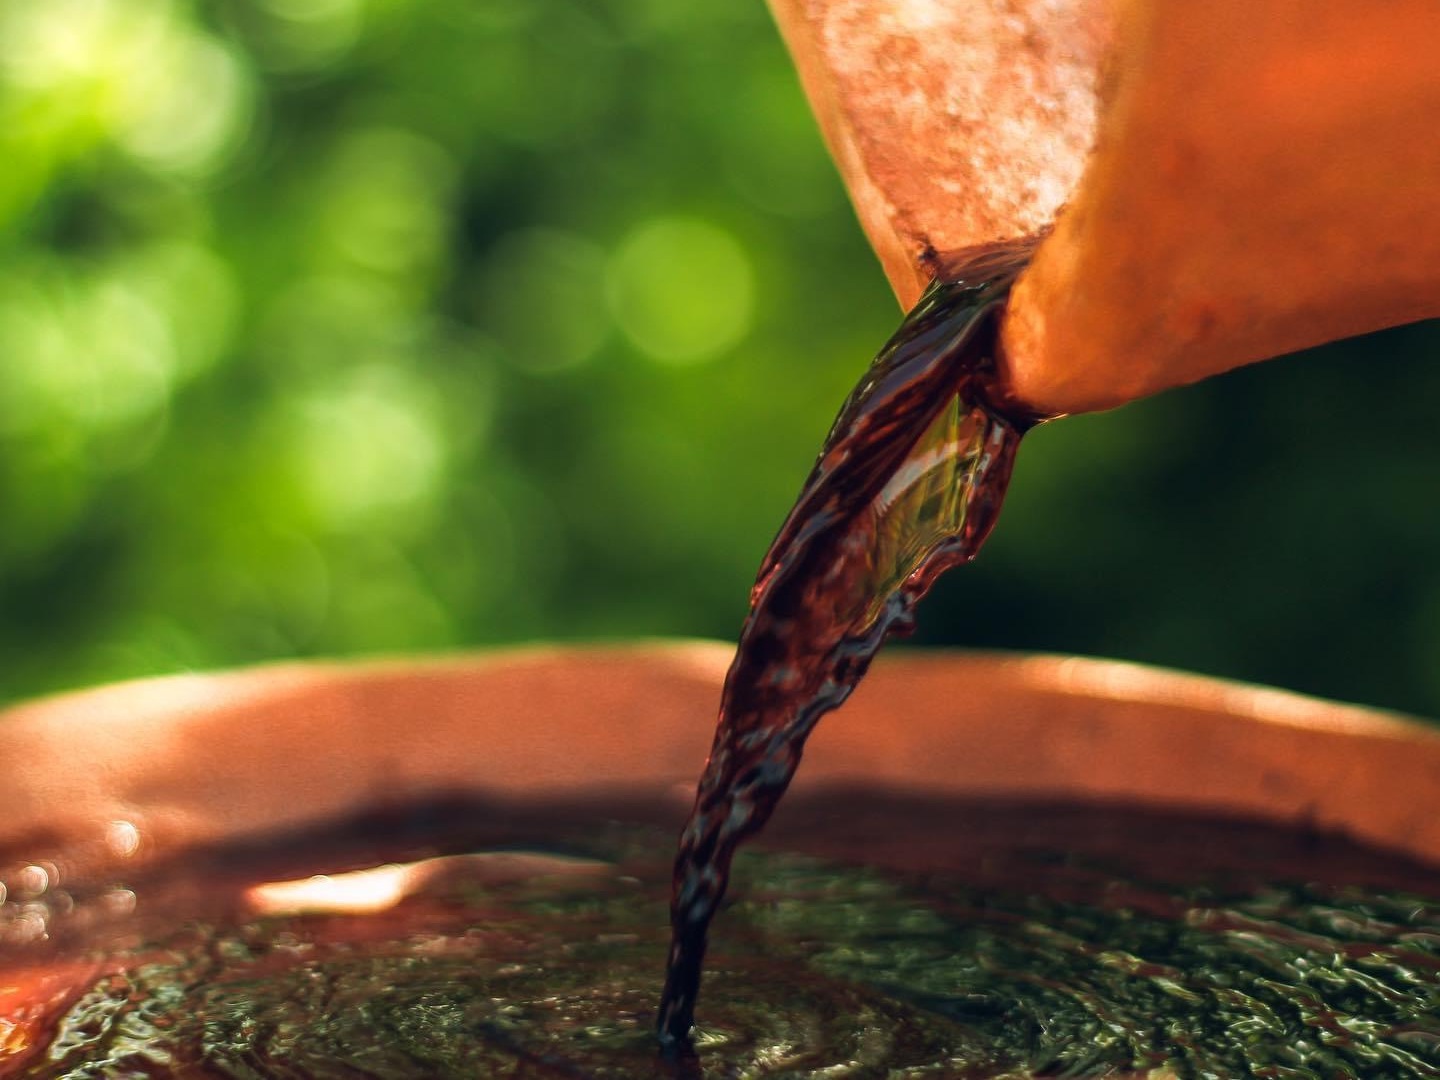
(335, 327)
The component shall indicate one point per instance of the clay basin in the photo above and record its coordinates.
(146, 781)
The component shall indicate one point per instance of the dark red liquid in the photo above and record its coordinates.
(908, 485)
(873, 933)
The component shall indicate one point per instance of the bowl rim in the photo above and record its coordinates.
(200, 758)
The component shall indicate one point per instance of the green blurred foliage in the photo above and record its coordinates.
(353, 326)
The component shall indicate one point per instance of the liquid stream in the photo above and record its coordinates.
(908, 484)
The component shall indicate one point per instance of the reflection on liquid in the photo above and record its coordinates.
(1033, 941)
(355, 893)
(32, 881)
(382, 887)
(123, 839)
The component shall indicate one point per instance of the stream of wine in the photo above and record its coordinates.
(908, 484)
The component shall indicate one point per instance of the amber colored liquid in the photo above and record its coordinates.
(907, 485)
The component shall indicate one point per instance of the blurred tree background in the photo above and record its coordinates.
(353, 326)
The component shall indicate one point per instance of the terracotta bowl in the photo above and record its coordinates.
(134, 774)
(196, 759)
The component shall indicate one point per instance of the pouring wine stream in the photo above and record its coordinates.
(1228, 174)
(908, 484)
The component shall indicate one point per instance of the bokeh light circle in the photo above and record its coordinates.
(682, 289)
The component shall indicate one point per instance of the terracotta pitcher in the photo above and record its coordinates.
(1223, 181)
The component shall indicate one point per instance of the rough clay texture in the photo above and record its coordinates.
(954, 123)
(1228, 181)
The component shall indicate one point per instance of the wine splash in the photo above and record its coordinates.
(908, 484)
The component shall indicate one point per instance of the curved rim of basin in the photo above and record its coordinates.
(196, 759)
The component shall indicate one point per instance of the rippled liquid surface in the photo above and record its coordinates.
(869, 936)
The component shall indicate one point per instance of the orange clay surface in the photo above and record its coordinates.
(196, 759)
(1227, 181)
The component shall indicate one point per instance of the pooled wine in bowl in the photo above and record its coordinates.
(868, 933)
